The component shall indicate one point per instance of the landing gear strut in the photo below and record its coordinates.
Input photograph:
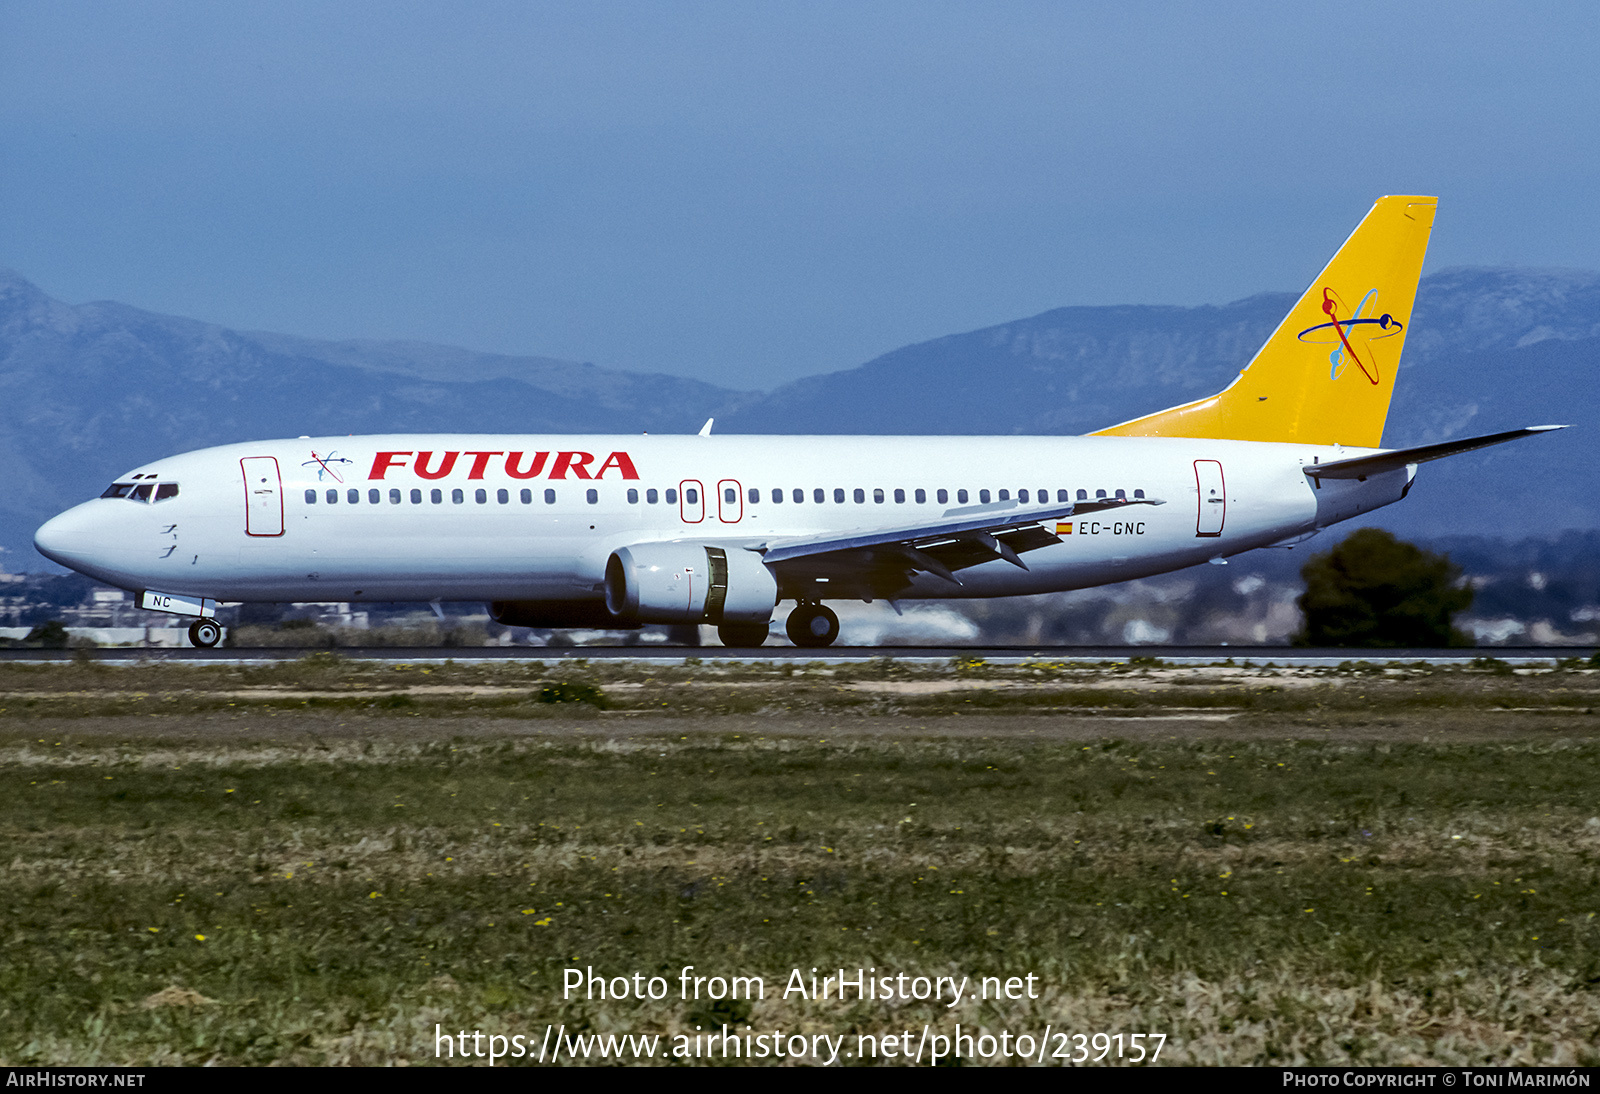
(812, 625)
(205, 633)
(742, 634)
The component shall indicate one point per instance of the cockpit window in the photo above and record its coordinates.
(142, 491)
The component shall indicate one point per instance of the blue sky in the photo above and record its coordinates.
(747, 193)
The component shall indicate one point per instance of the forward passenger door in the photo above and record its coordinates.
(263, 496)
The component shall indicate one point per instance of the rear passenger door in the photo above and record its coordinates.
(1213, 498)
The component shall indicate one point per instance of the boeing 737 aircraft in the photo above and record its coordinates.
(614, 532)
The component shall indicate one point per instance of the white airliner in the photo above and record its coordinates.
(598, 531)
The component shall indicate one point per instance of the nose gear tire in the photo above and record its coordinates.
(205, 633)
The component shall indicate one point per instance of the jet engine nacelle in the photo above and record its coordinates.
(689, 583)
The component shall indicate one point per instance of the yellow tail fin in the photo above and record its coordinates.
(1326, 374)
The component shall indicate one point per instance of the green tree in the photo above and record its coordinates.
(1375, 590)
(50, 636)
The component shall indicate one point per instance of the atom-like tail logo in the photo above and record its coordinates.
(325, 464)
(1343, 334)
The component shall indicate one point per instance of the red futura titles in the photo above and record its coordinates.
(517, 465)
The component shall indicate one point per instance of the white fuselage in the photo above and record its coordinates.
(408, 521)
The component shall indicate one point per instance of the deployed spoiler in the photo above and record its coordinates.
(1359, 467)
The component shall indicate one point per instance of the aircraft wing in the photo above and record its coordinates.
(1360, 467)
(883, 559)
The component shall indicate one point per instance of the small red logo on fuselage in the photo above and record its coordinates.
(429, 464)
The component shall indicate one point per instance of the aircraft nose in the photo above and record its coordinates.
(67, 539)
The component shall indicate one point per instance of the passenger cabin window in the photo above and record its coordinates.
(394, 497)
(860, 495)
(633, 496)
(777, 495)
(819, 495)
(502, 496)
(651, 496)
(672, 497)
(983, 497)
(1083, 495)
(838, 496)
(352, 496)
(549, 497)
(755, 495)
(375, 495)
(457, 496)
(961, 496)
(311, 497)
(1138, 493)
(1022, 496)
(799, 496)
(592, 496)
(692, 496)
(943, 496)
(436, 496)
(899, 497)
(921, 496)
(1004, 495)
(877, 497)
(527, 497)
(730, 495)
(416, 497)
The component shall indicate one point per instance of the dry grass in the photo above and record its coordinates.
(1386, 881)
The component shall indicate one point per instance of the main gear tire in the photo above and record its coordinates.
(205, 633)
(812, 626)
(742, 635)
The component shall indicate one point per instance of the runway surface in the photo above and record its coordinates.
(1002, 655)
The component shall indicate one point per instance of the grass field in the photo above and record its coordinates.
(324, 862)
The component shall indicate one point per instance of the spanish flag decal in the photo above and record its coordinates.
(1064, 529)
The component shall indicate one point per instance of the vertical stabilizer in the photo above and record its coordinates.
(1328, 371)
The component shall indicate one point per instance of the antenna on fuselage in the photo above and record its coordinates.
(705, 430)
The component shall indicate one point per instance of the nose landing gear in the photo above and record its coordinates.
(812, 625)
(205, 633)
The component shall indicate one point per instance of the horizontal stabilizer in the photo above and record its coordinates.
(1360, 467)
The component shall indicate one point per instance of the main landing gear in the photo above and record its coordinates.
(742, 634)
(205, 633)
(812, 625)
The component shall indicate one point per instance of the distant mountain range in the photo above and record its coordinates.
(87, 391)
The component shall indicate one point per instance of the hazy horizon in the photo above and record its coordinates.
(751, 194)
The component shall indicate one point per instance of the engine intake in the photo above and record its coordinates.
(689, 583)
